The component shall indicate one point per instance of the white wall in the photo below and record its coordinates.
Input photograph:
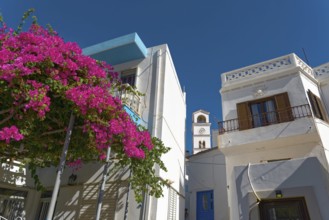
(289, 83)
(198, 113)
(164, 113)
(287, 176)
(172, 118)
(295, 139)
(206, 171)
(323, 130)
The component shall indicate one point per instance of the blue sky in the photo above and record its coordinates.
(206, 38)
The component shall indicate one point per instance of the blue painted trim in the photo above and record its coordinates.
(119, 50)
(132, 115)
(140, 45)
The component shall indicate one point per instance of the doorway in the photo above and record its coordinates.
(205, 205)
(284, 209)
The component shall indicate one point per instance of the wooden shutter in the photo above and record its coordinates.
(322, 109)
(283, 107)
(317, 106)
(313, 101)
(244, 117)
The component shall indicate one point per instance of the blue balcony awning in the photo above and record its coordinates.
(135, 117)
(119, 50)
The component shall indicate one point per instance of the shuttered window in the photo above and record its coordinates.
(317, 106)
(172, 204)
(283, 107)
(262, 112)
(244, 116)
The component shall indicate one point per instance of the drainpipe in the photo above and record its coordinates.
(60, 169)
(102, 186)
(127, 199)
(155, 126)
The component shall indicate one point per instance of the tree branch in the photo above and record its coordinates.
(8, 118)
(10, 109)
(58, 131)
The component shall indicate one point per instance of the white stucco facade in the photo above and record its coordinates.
(283, 148)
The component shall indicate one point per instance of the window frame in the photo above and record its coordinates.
(282, 110)
(201, 119)
(263, 119)
(267, 204)
(129, 77)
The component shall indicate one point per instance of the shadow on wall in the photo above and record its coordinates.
(80, 201)
(304, 178)
(13, 173)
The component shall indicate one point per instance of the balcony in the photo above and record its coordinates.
(265, 119)
(131, 101)
(260, 71)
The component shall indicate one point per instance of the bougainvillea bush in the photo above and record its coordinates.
(44, 79)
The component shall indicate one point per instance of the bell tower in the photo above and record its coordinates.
(201, 131)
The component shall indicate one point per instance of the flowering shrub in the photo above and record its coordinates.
(42, 81)
(10, 133)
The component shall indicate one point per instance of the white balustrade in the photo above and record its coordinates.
(129, 98)
(307, 69)
(322, 70)
(270, 66)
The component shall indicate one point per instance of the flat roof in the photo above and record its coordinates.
(118, 50)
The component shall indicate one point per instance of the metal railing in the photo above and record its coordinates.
(129, 98)
(132, 101)
(265, 119)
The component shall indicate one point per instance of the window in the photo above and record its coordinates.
(282, 209)
(201, 119)
(12, 203)
(44, 205)
(172, 204)
(317, 106)
(266, 111)
(128, 77)
(263, 112)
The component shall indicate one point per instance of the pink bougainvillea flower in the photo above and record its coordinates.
(8, 133)
(40, 67)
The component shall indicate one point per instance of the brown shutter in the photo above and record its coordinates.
(244, 118)
(283, 107)
(317, 106)
(321, 107)
(313, 101)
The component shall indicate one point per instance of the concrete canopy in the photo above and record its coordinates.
(119, 50)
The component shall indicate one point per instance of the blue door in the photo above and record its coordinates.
(205, 205)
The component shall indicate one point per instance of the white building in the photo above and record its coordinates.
(201, 131)
(273, 145)
(162, 110)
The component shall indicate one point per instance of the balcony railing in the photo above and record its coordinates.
(266, 118)
(130, 99)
